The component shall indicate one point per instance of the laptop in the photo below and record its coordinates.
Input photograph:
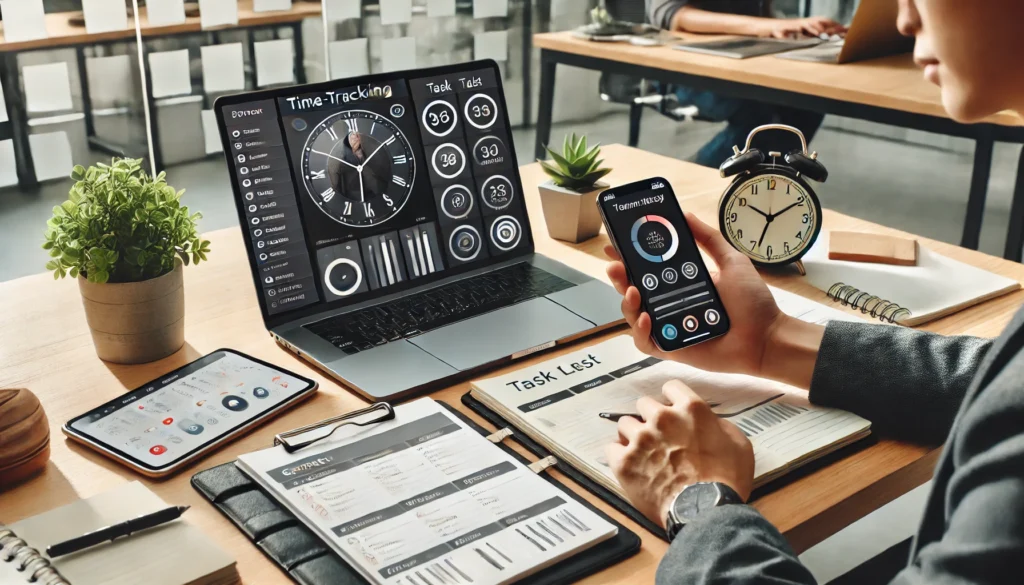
(872, 34)
(387, 232)
(746, 47)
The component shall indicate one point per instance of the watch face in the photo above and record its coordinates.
(358, 168)
(771, 217)
(695, 499)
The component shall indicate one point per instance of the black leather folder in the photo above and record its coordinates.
(309, 560)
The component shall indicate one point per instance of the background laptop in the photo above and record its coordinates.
(387, 233)
(872, 34)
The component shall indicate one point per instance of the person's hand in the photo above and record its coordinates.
(783, 28)
(677, 445)
(753, 314)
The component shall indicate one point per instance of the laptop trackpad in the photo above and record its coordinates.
(501, 333)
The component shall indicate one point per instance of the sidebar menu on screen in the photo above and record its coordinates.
(260, 168)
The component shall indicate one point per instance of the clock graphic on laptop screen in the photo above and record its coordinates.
(358, 167)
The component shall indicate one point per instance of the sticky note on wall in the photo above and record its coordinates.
(3, 105)
(211, 135)
(271, 5)
(398, 54)
(491, 45)
(223, 68)
(490, 8)
(395, 11)
(8, 165)
(170, 73)
(214, 13)
(440, 8)
(104, 16)
(338, 10)
(51, 155)
(275, 62)
(349, 58)
(165, 12)
(111, 82)
(47, 87)
(24, 20)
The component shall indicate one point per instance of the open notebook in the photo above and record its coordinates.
(908, 295)
(175, 553)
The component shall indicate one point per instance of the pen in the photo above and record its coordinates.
(615, 416)
(115, 531)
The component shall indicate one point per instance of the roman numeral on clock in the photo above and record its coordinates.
(318, 175)
(398, 180)
(348, 208)
(400, 159)
(327, 195)
(352, 125)
(368, 209)
(332, 133)
(390, 139)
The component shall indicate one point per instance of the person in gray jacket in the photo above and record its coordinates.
(912, 385)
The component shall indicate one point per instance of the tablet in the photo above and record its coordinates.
(164, 425)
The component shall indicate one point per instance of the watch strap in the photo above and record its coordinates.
(726, 495)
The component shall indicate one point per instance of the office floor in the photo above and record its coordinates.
(919, 187)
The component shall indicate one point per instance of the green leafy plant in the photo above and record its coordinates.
(577, 168)
(121, 225)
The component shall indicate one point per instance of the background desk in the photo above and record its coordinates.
(45, 345)
(888, 90)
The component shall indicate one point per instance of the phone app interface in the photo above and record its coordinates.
(173, 416)
(665, 265)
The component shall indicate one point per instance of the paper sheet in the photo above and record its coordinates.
(395, 11)
(271, 5)
(3, 105)
(24, 20)
(8, 168)
(51, 155)
(490, 8)
(211, 135)
(275, 62)
(338, 10)
(47, 87)
(104, 16)
(398, 54)
(214, 13)
(170, 73)
(223, 68)
(491, 45)
(349, 58)
(438, 8)
(111, 82)
(165, 12)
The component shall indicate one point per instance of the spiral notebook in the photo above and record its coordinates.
(175, 553)
(907, 295)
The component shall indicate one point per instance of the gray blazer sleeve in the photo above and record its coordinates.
(882, 373)
(660, 12)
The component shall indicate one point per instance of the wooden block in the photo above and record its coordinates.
(876, 248)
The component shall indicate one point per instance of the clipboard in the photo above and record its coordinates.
(309, 560)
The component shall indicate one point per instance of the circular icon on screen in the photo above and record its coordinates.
(397, 111)
(244, 170)
(711, 316)
(236, 134)
(489, 151)
(690, 323)
(506, 233)
(654, 238)
(260, 392)
(481, 111)
(246, 183)
(669, 332)
(497, 192)
(464, 243)
(690, 270)
(448, 161)
(649, 281)
(191, 427)
(158, 450)
(234, 403)
(299, 124)
(249, 196)
(669, 275)
(343, 277)
(457, 201)
(439, 118)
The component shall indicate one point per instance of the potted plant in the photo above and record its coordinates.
(125, 236)
(569, 199)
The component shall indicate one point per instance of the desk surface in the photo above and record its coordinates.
(45, 346)
(62, 33)
(890, 82)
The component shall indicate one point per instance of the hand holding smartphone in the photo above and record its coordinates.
(648, 229)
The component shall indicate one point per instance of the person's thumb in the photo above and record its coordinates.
(711, 240)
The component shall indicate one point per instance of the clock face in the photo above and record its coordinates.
(358, 167)
(771, 217)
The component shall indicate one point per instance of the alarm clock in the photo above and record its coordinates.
(769, 211)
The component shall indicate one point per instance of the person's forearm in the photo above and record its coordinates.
(792, 351)
(690, 19)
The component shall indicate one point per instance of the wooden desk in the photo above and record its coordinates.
(889, 90)
(45, 345)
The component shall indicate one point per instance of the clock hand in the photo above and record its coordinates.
(382, 145)
(341, 160)
(763, 232)
(785, 209)
(362, 197)
(758, 210)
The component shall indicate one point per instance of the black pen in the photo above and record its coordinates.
(615, 416)
(115, 531)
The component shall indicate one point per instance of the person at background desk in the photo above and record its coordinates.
(913, 385)
(749, 18)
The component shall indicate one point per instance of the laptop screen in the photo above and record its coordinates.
(363, 187)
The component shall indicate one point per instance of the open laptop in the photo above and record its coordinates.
(872, 34)
(387, 231)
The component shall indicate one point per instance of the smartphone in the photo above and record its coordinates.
(166, 424)
(647, 227)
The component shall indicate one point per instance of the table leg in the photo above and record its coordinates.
(18, 121)
(546, 104)
(300, 55)
(636, 111)
(83, 81)
(979, 188)
(527, 61)
(1015, 233)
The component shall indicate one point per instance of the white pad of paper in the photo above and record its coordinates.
(349, 58)
(170, 73)
(490, 8)
(110, 80)
(8, 170)
(24, 20)
(51, 155)
(338, 10)
(213, 13)
(491, 45)
(395, 11)
(3, 105)
(275, 62)
(210, 132)
(271, 5)
(398, 54)
(165, 12)
(436, 8)
(223, 68)
(104, 16)
(47, 87)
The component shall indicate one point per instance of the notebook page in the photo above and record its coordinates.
(172, 554)
(424, 498)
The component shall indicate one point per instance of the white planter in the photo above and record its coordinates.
(571, 216)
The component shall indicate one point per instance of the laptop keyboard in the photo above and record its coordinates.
(430, 309)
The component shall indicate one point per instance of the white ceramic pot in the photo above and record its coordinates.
(136, 322)
(571, 216)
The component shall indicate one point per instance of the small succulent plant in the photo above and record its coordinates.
(577, 168)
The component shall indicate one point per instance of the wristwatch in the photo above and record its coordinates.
(696, 499)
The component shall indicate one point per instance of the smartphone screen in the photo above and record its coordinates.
(648, 229)
(172, 417)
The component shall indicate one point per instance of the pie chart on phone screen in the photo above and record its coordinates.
(654, 238)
